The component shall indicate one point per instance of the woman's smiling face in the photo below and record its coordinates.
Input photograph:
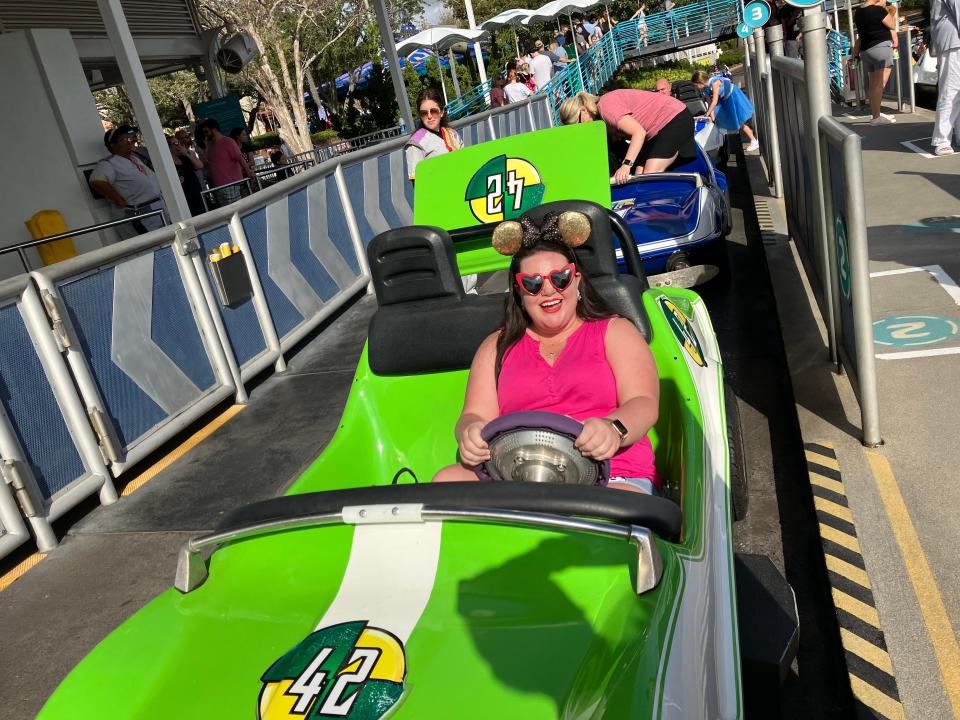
(551, 310)
(430, 114)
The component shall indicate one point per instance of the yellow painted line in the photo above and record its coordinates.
(14, 574)
(856, 608)
(825, 482)
(825, 460)
(932, 609)
(833, 509)
(191, 442)
(840, 538)
(850, 572)
(873, 698)
(867, 650)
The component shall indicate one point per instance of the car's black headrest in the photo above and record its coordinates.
(413, 263)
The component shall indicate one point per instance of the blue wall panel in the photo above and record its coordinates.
(243, 328)
(285, 315)
(172, 325)
(354, 177)
(337, 227)
(300, 253)
(32, 408)
(89, 301)
(386, 196)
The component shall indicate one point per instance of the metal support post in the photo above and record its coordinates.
(771, 143)
(453, 72)
(135, 82)
(472, 24)
(774, 38)
(813, 25)
(748, 64)
(390, 47)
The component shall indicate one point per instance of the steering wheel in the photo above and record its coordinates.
(538, 447)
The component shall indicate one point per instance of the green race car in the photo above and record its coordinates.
(365, 594)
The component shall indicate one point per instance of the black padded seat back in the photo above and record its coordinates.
(597, 259)
(413, 263)
(424, 322)
(436, 335)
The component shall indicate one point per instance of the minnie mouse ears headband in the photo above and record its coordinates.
(567, 228)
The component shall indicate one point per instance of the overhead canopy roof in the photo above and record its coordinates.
(166, 32)
(507, 17)
(556, 8)
(440, 38)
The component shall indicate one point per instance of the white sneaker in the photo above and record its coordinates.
(883, 120)
(889, 117)
(943, 150)
(753, 146)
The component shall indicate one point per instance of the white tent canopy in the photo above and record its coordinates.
(556, 8)
(440, 38)
(507, 17)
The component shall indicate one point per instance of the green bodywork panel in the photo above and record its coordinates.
(501, 180)
(520, 623)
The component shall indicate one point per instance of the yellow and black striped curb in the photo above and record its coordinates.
(871, 673)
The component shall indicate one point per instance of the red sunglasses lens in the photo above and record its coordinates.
(533, 284)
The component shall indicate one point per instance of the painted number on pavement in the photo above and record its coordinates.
(914, 330)
(843, 258)
(756, 13)
(744, 30)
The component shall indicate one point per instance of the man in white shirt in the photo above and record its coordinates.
(125, 181)
(540, 65)
(945, 45)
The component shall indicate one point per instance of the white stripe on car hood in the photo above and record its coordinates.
(389, 577)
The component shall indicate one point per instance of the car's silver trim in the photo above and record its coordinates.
(192, 568)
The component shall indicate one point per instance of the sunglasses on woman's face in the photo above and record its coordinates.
(532, 284)
(430, 112)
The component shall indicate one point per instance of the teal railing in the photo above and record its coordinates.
(838, 50)
(696, 23)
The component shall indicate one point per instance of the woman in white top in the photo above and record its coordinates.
(515, 90)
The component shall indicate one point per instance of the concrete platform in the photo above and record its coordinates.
(903, 495)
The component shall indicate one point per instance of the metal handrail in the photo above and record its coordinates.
(192, 569)
(20, 247)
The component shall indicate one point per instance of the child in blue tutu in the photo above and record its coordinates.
(729, 107)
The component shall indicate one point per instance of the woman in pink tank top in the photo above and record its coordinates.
(562, 350)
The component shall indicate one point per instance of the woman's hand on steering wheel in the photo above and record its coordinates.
(473, 448)
(599, 440)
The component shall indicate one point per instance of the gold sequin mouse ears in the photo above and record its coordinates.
(569, 228)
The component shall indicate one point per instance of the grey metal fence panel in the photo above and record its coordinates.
(845, 211)
(47, 446)
(141, 355)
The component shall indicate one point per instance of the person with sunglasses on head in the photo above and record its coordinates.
(659, 128)
(433, 136)
(561, 349)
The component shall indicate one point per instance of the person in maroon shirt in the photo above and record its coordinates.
(659, 127)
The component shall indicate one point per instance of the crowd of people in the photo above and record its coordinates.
(211, 163)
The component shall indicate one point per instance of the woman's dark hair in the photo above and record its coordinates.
(590, 306)
(431, 93)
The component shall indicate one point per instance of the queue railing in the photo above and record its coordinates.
(109, 354)
(822, 180)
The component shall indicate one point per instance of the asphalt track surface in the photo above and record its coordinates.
(115, 559)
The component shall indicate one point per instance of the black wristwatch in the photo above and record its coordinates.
(628, 163)
(619, 427)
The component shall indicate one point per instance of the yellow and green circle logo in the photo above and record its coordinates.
(350, 670)
(503, 189)
(683, 330)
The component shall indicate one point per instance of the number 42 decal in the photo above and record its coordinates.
(311, 682)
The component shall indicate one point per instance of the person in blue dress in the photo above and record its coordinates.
(728, 107)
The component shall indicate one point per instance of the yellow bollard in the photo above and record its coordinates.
(50, 222)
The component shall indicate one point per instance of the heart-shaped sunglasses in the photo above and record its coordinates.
(532, 283)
